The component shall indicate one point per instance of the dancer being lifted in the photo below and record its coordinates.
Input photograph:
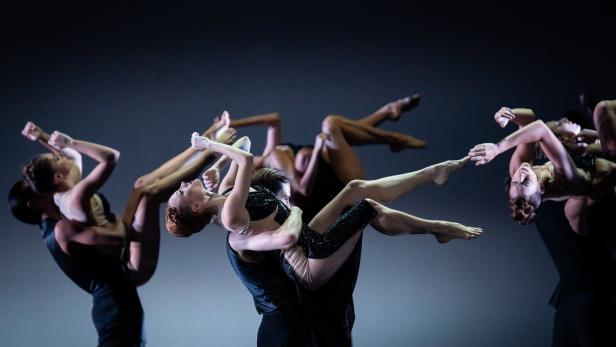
(258, 221)
(581, 183)
(331, 162)
(88, 254)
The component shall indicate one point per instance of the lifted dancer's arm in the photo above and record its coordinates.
(233, 215)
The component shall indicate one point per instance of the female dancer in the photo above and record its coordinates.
(581, 184)
(330, 163)
(258, 221)
(83, 252)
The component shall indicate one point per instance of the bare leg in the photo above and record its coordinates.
(313, 273)
(383, 190)
(393, 222)
(391, 111)
(605, 121)
(144, 223)
(357, 134)
(338, 151)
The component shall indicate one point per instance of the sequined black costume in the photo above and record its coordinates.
(330, 308)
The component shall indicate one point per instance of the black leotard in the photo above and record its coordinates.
(116, 310)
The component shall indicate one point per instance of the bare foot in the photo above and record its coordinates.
(457, 231)
(402, 142)
(444, 169)
(395, 109)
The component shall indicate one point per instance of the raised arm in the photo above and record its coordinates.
(107, 158)
(521, 116)
(284, 237)
(533, 132)
(35, 133)
(233, 215)
(271, 120)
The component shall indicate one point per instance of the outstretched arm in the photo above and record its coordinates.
(284, 237)
(107, 158)
(535, 131)
(271, 120)
(234, 215)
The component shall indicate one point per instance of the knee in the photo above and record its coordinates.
(356, 185)
(602, 107)
(331, 124)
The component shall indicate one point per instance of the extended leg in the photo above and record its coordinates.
(391, 111)
(393, 222)
(383, 190)
(144, 222)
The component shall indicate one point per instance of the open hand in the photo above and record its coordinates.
(60, 140)
(483, 153)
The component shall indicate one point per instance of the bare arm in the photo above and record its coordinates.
(233, 215)
(68, 233)
(536, 131)
(107, 158)
(271, 120)
(212, 174)
(284, 237)
(522, 117)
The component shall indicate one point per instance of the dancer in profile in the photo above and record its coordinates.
(583, 299)
(331, 162)
(258, 221)
(88, 254)
(581, 184)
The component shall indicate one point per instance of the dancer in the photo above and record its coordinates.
(82, 252)
(258, 221)
(331, 162)
(583, 299)
(581, 184)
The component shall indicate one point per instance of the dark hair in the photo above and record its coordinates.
(580, 118)
(269, 178)
(523, 211)
(182, 222)
(19, 196)
(39, 174)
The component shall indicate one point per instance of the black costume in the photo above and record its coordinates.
(271, 292)
(330, 309)
(116, 310)
(585, 298)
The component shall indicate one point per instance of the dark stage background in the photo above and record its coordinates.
(141, 77)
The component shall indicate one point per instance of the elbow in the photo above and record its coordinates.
(112, 157)
(247, 160)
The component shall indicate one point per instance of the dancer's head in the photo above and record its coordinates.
(189, 209)
(26, 204)
(525, 193)
(49, 172)
(564, 128)
(302, 158)
(274, 180)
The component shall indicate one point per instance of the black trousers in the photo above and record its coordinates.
(284, 329)
(584, 319)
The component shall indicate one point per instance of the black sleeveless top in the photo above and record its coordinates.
(116, 311)
(583, 262)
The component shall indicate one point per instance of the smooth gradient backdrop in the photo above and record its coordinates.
(141, 77)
